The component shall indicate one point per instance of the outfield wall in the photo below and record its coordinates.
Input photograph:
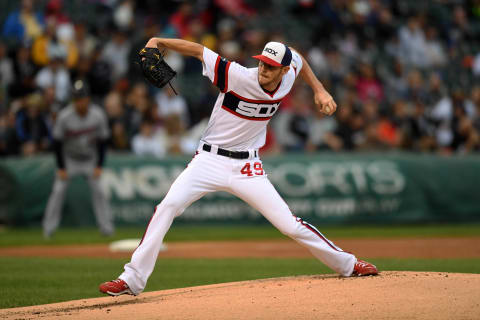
(322, 188)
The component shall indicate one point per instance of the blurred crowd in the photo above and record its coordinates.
(405, 74)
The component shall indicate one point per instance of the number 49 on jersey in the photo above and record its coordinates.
(250, 170)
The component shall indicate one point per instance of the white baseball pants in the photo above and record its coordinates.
(209, 172)
(101, 207)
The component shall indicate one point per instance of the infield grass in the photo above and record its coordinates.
(33, 236)
(32, 281)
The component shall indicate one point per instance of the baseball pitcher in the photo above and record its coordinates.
(80, 135)
(227, 158)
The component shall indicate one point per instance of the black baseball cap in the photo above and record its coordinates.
(80, 89)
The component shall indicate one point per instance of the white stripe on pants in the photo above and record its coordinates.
(208, 173)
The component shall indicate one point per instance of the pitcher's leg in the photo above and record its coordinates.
(182, 193)
(101, 207)
(53, 211)
(261, 195)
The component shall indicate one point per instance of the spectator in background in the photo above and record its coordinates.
(146, 142)
(476, 66)
(42, 46)
(299, 124)
(65, 31)
(174, 138)
(138, 106)
(84, 41)
(422, 130)
(31, 126)
(55, 74)
(413, 44)
(119, 140)
(384, 25)
(6, 68)
(435, 92)
(368, 85)
(180, 20)
(415, 88)
(395, 82)
(24, 71)
(99, 76)
(475, 100)
(24, 24)
(118, 120)
(342, 138)
(435, 53)
(319, 129)
(9, 144)
(400, 121)
(168, 103)
(465, 136)
(318, 60)
(461, 31)
(116, 53)
(54, 9)
(372, 139)
(114, 108)
(123, 14)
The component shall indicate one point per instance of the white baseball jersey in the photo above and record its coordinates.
(243, 109)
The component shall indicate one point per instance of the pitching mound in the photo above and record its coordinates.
(391, 295)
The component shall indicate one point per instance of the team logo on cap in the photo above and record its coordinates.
(271, 51)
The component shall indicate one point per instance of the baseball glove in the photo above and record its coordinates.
(154, 67)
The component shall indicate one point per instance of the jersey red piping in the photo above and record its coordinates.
(215, 79)
(226, 77)
(245, 117)
(253, 100)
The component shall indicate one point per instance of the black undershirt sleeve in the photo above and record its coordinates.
(58, 148)
(101, 150)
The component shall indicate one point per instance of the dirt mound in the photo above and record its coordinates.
(391, 295)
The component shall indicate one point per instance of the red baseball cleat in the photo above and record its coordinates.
(115, 288)
(363, 268)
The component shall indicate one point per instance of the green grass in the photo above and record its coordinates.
(33, 236)
(32, 281)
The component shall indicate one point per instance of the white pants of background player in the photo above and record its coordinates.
(209, 172)
(53, 211)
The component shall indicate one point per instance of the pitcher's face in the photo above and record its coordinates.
(268, 74)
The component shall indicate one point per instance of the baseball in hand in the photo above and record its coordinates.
(328, 109)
